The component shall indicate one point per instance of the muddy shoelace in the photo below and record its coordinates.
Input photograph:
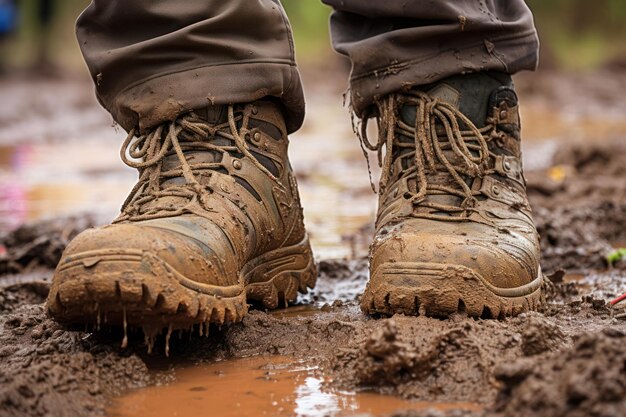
(186, 133)
(437, 133)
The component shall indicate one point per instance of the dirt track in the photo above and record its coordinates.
(569, 360)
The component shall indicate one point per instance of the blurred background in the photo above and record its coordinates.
(59, 149)
(575, 34)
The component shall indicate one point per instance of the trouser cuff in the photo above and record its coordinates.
(509, 55)
(164, 97)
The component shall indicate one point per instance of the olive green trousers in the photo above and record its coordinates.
(152, 60)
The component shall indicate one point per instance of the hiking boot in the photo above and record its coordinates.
(213, 222)
(454, 231)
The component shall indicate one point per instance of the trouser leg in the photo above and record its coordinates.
(153, 60)
(395, 44)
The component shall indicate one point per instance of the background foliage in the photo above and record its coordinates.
(575, 34)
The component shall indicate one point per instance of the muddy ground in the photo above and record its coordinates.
(567, 360)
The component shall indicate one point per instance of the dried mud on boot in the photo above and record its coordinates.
(213, 222)
(454, 229)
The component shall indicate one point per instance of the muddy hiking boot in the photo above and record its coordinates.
(213, 223)
(454, 231)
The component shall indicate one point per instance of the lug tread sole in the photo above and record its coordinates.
(123, 293)
(444, 294)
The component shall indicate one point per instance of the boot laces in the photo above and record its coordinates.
(186, 133)
(437, 138)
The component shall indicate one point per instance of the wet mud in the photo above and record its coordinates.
(579, 204)
(39, 245)
(567, 360)
(260, 385)
(586, 379)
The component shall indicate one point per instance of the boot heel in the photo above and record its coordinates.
(279, 275)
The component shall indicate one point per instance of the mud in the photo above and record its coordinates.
(589, 378)
(580, 204)
(39, 245)
(567, 360)
(47, 370)
(500, 366)
(261, 385)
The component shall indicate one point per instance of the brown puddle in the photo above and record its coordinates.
(259, 386)
(303, 310)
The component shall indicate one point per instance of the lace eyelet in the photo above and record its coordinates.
(506, 165)
(495, 190)
(256, 138)
(237, 164)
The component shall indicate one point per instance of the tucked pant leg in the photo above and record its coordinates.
(395, 44)
(152, 60)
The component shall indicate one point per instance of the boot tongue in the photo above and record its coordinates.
(211, 114)
(446, 93)
(408, 115)
(470, 95)
(171, 162)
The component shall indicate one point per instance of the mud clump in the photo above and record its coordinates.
(581, 216)
(578, 237)
(426, 360)
(24, 293)
(540, 336)
(588, 379)
(40, 244)
(383, 359)
(46, 370)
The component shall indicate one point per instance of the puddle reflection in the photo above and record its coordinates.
(45, 180)
(259, 386)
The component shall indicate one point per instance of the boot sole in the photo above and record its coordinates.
(417, 288)
(136, 288)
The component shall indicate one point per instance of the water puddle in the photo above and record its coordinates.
(303, 310)
(259, 386)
